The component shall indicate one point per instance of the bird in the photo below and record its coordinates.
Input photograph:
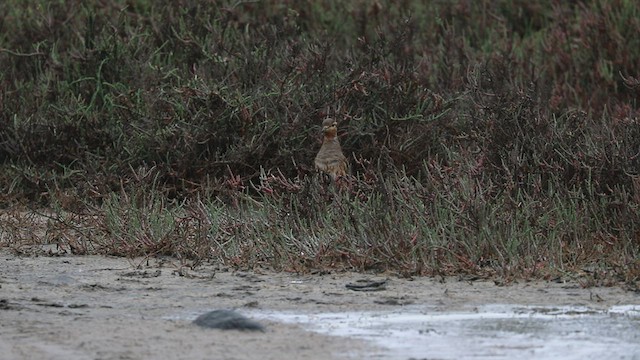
(330, 158)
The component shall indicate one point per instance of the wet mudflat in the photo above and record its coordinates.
(94, 307)
(486, 332)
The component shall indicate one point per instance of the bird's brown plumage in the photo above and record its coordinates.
(330, 158)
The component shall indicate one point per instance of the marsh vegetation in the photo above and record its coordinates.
(493, 138)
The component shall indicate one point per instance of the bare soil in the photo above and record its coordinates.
(96, 307)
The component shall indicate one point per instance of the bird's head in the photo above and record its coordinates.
(329, 127)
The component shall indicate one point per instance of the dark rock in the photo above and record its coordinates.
(227, 320)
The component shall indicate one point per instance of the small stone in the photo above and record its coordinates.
(227, 320)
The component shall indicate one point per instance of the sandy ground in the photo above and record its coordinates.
(91, 307)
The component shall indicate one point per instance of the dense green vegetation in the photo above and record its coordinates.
(485, 137)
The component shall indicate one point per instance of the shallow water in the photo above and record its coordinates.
(487, 332)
